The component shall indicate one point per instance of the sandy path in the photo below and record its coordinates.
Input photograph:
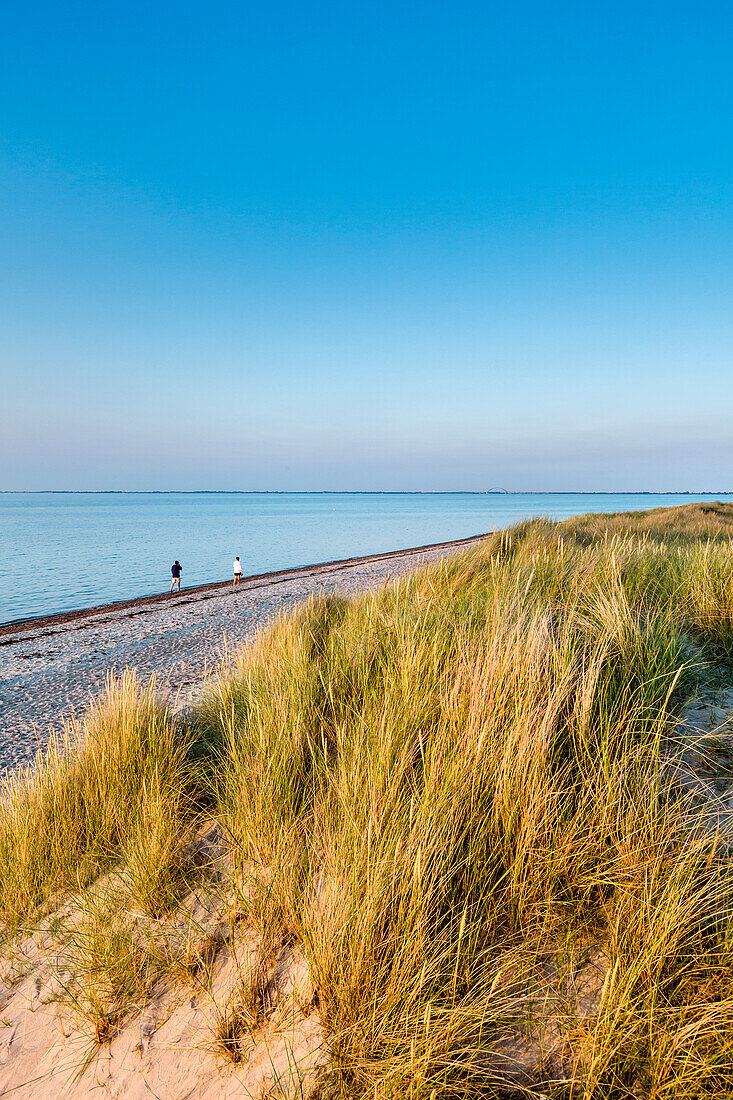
(48, 672)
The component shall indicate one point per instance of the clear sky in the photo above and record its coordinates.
(366, 245)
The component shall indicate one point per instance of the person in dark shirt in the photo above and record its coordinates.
(176, 570)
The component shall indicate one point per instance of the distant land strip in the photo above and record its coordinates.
(44, 625)
(372, 492)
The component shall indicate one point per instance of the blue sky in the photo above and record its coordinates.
(351, 246)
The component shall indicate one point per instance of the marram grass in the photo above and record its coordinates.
(451, 795)
(119, 783)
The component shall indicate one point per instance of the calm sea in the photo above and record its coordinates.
(60, 551)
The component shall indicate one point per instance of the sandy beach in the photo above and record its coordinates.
(50, 668)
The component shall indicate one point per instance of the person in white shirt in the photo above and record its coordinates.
(237, 572)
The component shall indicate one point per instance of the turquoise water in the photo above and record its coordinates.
(60, 551)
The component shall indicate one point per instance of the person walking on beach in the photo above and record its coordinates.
(237, 572)
(176, 570)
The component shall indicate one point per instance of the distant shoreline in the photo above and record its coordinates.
(376, 492)
(42, 625)
(48, 675)
(133, 533)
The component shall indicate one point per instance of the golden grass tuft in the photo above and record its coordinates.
(85, 800)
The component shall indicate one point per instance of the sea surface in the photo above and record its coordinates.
(61, 551)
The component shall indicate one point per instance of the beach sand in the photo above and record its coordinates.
(51, 668)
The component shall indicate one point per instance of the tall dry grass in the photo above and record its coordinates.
(117, 784)
(451, 795)
(439, 775)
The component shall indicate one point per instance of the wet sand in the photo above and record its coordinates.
(51, 667)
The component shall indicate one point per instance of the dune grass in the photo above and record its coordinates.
(119, 785)
(452, 795)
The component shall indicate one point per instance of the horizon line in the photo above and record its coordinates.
(367, 492)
